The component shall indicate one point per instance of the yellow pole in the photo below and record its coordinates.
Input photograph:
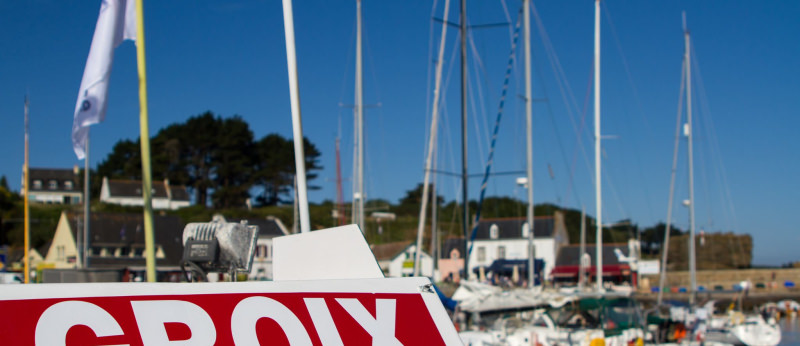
(144, 133)
(25, 183)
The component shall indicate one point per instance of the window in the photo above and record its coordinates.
(60, 253)
(481, 254)
(37, 184)
(52, 184)
(455, 254)
(494, 231)
(68, 185)
(501, 252)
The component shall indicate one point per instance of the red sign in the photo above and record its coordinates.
(296, 313)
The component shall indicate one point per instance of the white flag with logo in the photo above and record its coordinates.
(116, 23)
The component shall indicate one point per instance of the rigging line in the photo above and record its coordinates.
(344, 87)
(508, 19)
(579, 146)
(638, 102)
(713, 138)
(380, 120)
(478, 112)
(706, 184)
(670, 203)
(614, 192)
(543, 87)
(430, 67)
(446, 130)
(565, 88)
(494, 135)
(627, 68)
(479, 66)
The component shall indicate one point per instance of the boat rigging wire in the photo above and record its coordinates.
(714, 143)
(640, 109)
(494, 135)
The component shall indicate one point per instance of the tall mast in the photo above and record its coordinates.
(582, 266)
(86, 206)
(529, 146)
(689, 130)
(297, 123)
(26, 186)
(339, 192)
(431, 147)
(359, 176)
(464, 176)
(668, 228)
(597, 181)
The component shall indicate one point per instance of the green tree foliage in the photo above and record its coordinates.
(274, 168)
(218, 159)
(412, 201)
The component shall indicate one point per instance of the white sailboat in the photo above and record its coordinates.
(597, 318)
(732, 327)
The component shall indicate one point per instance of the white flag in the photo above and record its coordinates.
(116, 23)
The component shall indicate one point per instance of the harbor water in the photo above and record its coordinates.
(790, 331)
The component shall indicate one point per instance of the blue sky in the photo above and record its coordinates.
(229, 57)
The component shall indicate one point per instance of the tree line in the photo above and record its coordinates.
(219, 161)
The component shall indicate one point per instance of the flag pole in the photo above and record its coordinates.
(86, 205)
(26, 182)
(144, 133)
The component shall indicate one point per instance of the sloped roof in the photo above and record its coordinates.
(570, 255)
(450, 244)
(388, 251)
(114, 230)
(133, 189)
(60, 175)
(511, 228)
(267, 227)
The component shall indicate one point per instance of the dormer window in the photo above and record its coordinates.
(52, 184)
(37, 184)
(68, 185)
(525, 230)
(494, 231)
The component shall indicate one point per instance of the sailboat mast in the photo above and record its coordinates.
(581, 264)
(297, 123)
(464, 176)
(597, 181)
(339, 193)
(431, 149)
(529, 146)
(668, 227)
(689, 130)
(359, 121)
(26, 186)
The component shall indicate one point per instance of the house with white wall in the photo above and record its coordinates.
(507, 238)
(397, 259)
(129, 193)
(54, 186)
